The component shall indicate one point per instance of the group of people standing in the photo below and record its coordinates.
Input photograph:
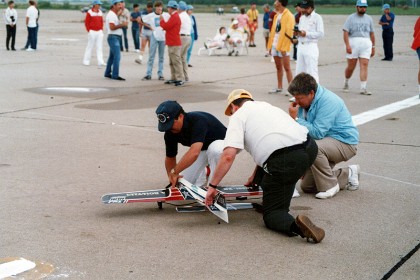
(31, 20)
(176, 29)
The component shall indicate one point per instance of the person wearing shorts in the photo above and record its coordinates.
(266, 28)
(279, 45)
(253, 23)
(359, 39)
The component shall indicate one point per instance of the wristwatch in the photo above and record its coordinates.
(172, 171)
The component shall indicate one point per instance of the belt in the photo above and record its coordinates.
(289, 149)
(305, 43)
(185, 34)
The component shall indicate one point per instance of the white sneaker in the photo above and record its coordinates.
(30, 50)
(292, 99)
(272, 59)
(276, 90)
(287, 93)
(329, 193)
(86, 63)
(137, 50)
(295, 193)
(365, 92)
(354, 176)
(139, 60)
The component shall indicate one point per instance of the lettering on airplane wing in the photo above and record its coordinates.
(151, 193)
(117, 199)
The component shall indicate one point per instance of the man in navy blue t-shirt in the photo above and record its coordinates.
(200, 131)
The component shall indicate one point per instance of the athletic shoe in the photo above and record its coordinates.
(168, 82)
(329, 193)
(295, 193)
(139, 60)
(365, 92)
(276, 90)
(119, 79)
(30, 50)
(189, 65)
(237, 53)
(108, 76)
(309, 230)
(346, 86)
(179, 83)
(293, 99)
(287, 93)
(86, 63)
(354, 176)
(161, 78)
(230, 53)
(145, 78)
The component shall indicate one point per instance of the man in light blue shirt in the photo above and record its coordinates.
(329, 122)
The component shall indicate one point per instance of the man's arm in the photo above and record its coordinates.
(223, 166)
(372, 38)
(112, 25)
(173, 169)
(346, 41)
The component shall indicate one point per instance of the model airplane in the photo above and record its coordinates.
(185, 191)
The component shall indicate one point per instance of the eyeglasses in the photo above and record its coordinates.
(163, 117)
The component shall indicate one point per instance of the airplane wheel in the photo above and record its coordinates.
(160, 205)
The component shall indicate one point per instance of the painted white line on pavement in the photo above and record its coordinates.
(385, 110)
(15, 267)
(390, 179)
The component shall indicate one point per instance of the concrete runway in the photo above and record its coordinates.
(68, 136)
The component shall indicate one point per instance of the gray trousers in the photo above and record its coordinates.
(321, 176)
(186, 42)
(174, 53)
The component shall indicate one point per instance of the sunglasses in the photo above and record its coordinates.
(163, 117)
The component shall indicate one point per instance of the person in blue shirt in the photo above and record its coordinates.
(330, 123)
(194, 33)
(266, 27)
(387, 23)
(135, 19)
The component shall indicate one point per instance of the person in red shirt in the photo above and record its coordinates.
(173, 40)
(94, 24)
(416, 45)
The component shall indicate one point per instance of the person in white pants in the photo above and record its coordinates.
(94, 26)
(200, 131)
(311, 29)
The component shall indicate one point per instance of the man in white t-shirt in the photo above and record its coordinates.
(157, 40)
(282, 150)
(31, 17)
(114, 28)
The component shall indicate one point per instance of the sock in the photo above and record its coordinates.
(363, 84)
(295, 229)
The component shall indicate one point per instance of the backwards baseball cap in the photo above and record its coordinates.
(182, 5)
(166, 113)
(361, 3)
(96, 2)
(234, 95)
(172, 4)
(386, 6)
(306, 4)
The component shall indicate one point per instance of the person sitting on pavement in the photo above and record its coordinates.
(200, 131)
(282, 150)
(330, 123)
(236, 38)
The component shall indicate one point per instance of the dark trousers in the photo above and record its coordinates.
(11, 34)
(124, 37)
(32, 34)
(388, 39)
(282, 170)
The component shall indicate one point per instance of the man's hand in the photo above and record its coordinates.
(293, 110)
(211, 193)
(173, 179)
(373, 52)
(348, 49)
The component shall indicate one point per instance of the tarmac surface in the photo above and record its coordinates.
(68, 136)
